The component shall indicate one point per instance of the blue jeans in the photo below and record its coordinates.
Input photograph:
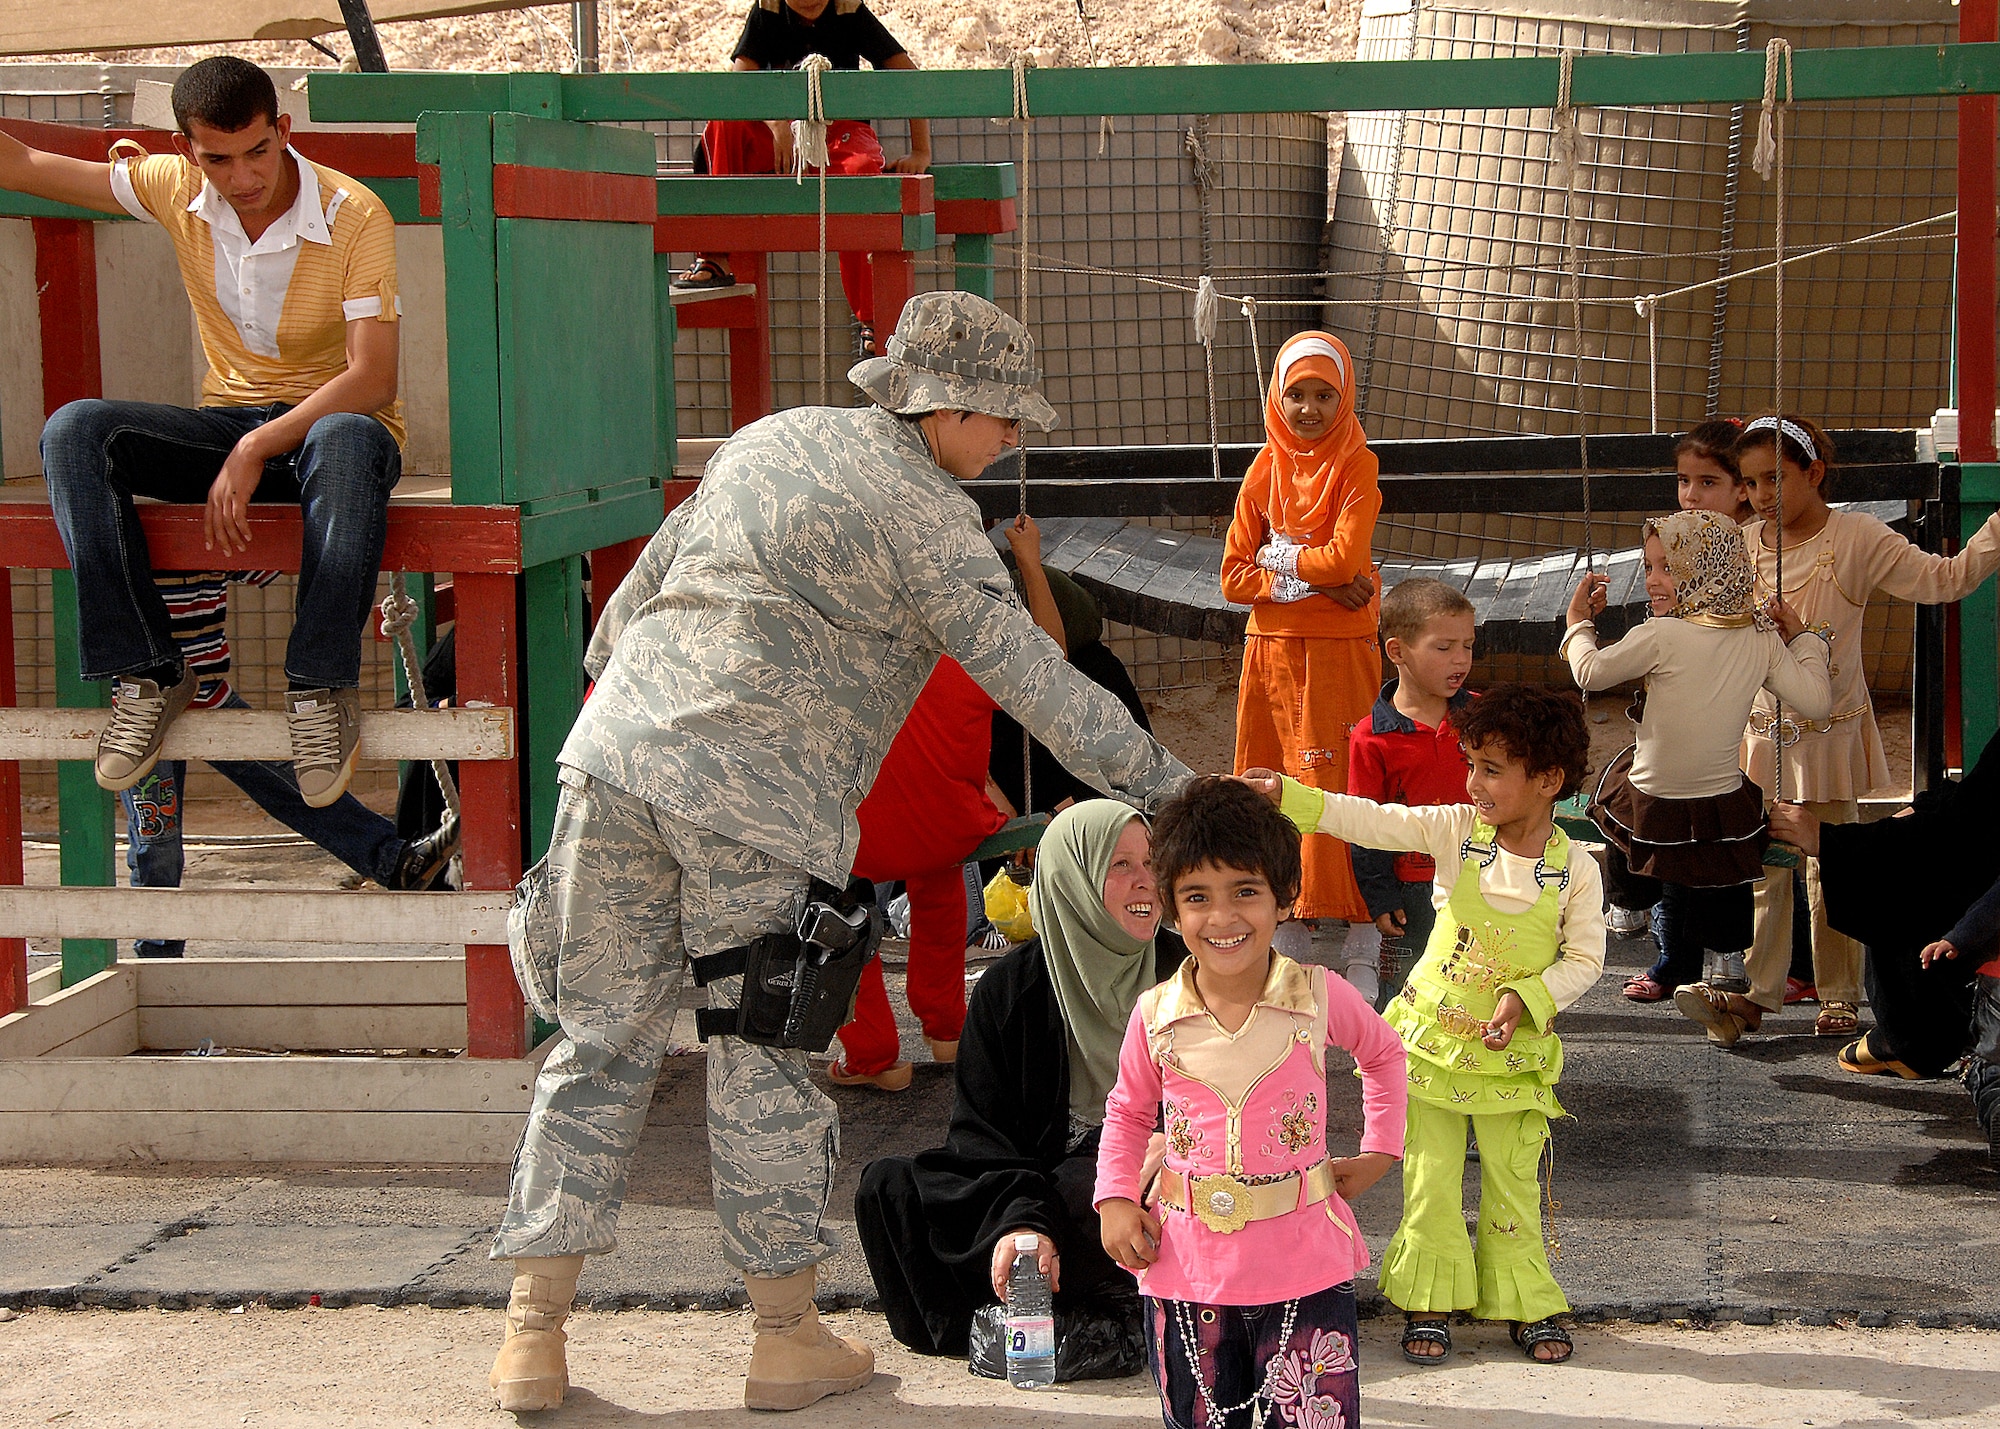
(347, 828)
(98, 455)
(1688, 921)
(1400, 954)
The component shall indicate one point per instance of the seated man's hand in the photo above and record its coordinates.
(1795, 825)
(1131, 1233)
(1354, 1174)
(1003, 1260)
(225, 521)
(917, 161)
(781, 140)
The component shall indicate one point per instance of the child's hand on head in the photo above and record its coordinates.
(1131, 1233)
(1354, 1174)
(1589, 599)
(1506, 1017)
(1785, 618)
(1268, 782)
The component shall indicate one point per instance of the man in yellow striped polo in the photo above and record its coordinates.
(291, 271)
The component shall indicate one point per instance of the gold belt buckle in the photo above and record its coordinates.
(1222, 1202)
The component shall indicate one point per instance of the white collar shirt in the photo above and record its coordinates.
(251, 279)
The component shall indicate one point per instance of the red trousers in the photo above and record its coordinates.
(745, 146)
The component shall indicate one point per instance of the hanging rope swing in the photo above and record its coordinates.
(809, 152)
(1769, 162)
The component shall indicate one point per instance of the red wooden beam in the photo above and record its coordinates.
(420, 538)
(490, 790)
(895, 280)
(777, 232)
(66, 288)
(750, 346)
(1978, 20)
(523, 192)
(359, 156)
(977, 215)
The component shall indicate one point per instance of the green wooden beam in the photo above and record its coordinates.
(18, 205)
(1978, 620)
(604, 519)
(547, 144)
(89, 831)
(666, 331)
(972, 257)
(760, 195)
(553, 632)
(461, 144)
(1871, 72)
(973, 181)
(399, 196)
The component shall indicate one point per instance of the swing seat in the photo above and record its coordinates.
(1573, 818)
(1011, 837)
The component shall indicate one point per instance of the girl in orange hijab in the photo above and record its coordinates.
(1298, 556)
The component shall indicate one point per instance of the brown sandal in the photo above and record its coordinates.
(702, 274)
(1725, 1016)
(1837, 1019)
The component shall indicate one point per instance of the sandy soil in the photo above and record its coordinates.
(698, 35)
(385, 1368)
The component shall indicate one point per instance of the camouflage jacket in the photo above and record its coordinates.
(755, 665)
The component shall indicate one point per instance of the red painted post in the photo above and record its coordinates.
(895, 280)
(750, 347)
(66, 281)
(13, 951)
(1978, 20)
(609, 566)
(490, 791)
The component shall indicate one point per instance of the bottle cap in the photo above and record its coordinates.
(1027, 1242)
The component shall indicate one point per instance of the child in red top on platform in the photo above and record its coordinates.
(1407, 752)
(1298, 555)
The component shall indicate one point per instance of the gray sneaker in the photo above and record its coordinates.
(140, 713)
(326, 732)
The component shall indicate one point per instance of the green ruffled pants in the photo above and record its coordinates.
(1431, 1263)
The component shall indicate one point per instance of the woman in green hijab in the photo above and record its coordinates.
(1037, 1057)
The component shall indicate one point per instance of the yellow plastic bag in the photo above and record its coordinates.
(1007, 904)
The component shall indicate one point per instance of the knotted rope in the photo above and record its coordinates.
(399, 613)
(1769, 161)
(809, 152)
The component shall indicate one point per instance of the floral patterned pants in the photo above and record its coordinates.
(1314, 1383)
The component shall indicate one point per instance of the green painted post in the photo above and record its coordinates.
(1978, 620)
(461, 145)
(553, 683)
(89, 833)
(972, 255)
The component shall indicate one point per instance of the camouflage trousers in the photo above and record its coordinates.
(605, 927)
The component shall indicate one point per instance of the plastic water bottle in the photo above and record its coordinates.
(1031, 1319)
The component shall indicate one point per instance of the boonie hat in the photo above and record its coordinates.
(956, 352)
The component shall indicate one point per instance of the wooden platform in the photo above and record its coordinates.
(1170, 582)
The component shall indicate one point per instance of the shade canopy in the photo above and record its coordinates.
(36, 27)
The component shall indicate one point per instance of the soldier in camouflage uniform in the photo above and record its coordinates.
(751, 673)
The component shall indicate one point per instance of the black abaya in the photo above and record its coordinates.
(928, 1224)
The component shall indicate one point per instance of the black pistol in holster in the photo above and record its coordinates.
(798, 986)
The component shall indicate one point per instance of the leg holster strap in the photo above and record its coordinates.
(798, 986)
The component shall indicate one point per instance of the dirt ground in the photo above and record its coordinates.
(390, 1368)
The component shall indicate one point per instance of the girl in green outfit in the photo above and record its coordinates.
(1519, 937)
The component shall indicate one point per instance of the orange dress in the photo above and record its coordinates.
(1311, 667)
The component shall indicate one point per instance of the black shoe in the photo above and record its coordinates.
(422, 865)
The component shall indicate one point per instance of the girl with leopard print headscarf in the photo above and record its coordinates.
(1681, 821)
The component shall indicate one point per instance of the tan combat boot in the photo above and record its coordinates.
(529, 1372)
(796, 1360)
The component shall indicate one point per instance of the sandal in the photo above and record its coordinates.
(1857, 1058)
(1542, 1332)
(1837, 1019)
(1644, 988)
(1725, 1016)
(703, 273)
(1426, 1332)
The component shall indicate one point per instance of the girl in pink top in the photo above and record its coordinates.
(1248, 1267)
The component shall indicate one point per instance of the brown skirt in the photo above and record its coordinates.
(1713, 842)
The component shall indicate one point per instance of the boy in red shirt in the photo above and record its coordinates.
(1407, 752)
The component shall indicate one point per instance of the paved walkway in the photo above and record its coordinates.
(1692, 1183)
